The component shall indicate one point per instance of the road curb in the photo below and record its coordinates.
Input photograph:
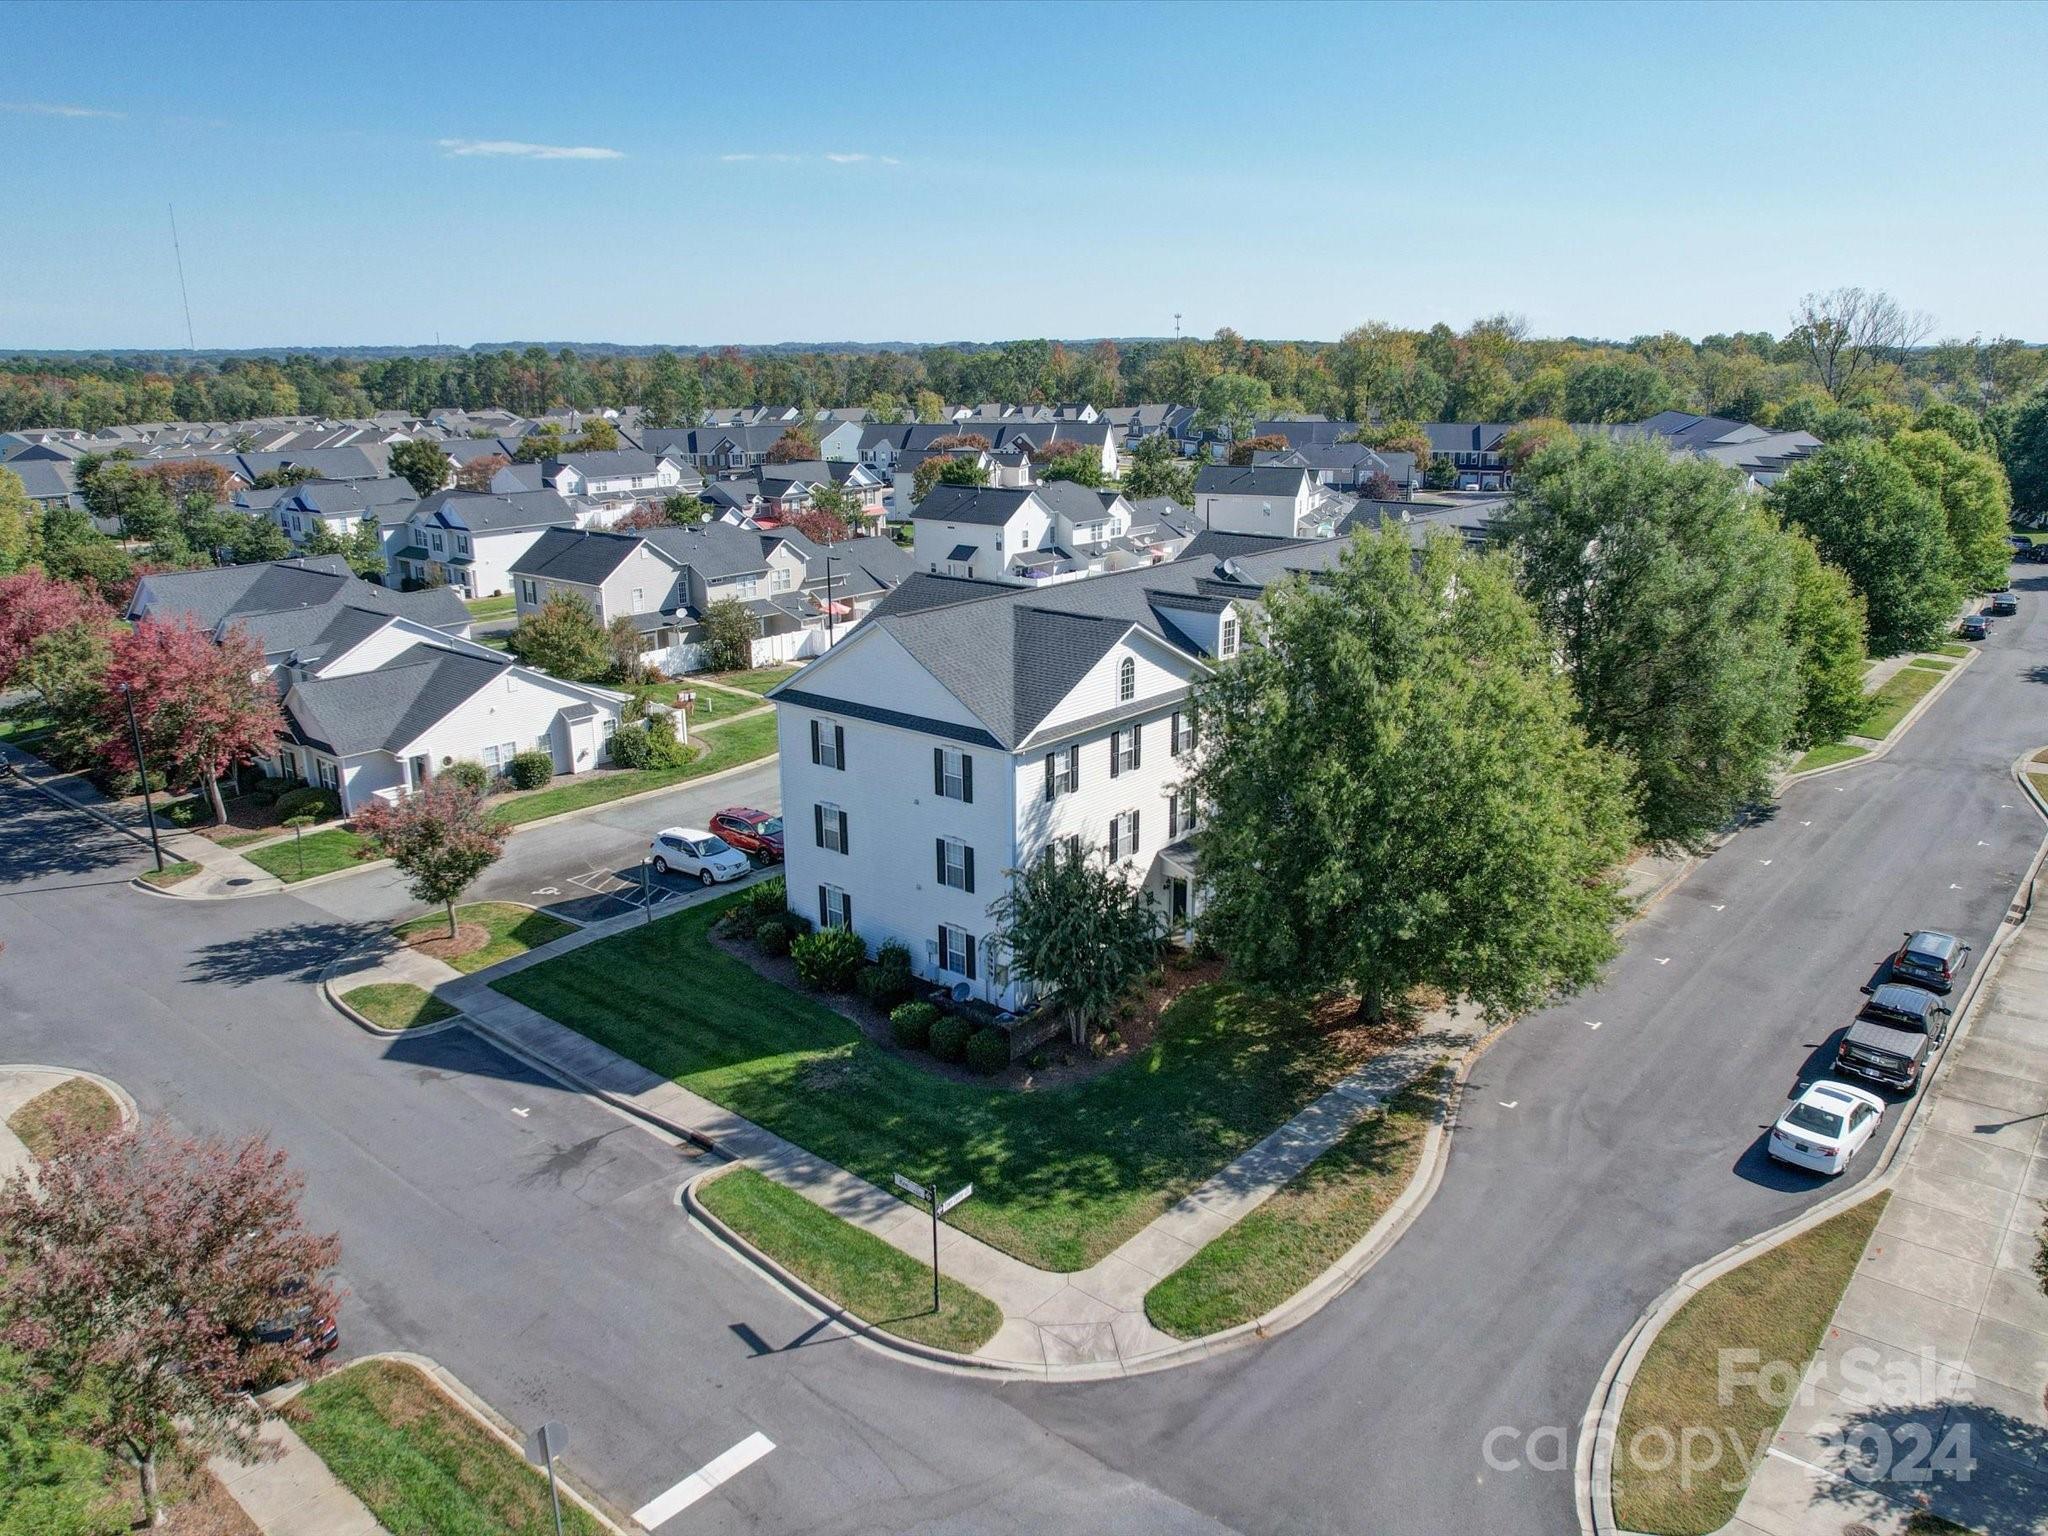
(131, 1114)
(500, 1428)
(332, 994)
(1593, 1463)
(1898, 732)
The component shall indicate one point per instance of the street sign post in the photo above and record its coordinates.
(549, 1441)
(929, 1194)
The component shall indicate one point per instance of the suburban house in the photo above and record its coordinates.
(787, 489)
(339, 506)
(1473, 449)
(48, 480)
(1033, 535)
(1348, 466)
(621, 475)
(997, 721)
(1273, 500)
(382, 690)
(469, 539)
(717, 448)
(1763, 456)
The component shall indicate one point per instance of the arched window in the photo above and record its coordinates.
(1126, 681)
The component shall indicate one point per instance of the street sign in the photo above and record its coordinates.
(955, 1198)
(912, 1187)
(551, 1439)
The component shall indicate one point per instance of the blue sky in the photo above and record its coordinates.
(754, 173)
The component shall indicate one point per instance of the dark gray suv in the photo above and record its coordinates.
(1929, 959)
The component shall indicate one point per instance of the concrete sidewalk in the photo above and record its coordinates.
(1928, 1390)
(293, 1494)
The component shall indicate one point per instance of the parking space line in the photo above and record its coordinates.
(666, 1506)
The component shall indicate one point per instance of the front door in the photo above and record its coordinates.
(1177, 902)
(417, 772)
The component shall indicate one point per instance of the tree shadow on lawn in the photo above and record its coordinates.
(295, 951)
(1992, 1478)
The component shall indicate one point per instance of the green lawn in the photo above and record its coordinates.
(79, 1103)
(243, 839)
(1890, 704)
(24, 725)
(1827, 756)
(1061, 1176)
(503, 606)
(173, 872)
(876, 1282)
(1307, 1225)
(397, 1004)
(325, 851)
(759, 680)
(513, 930)
(718, 747)
(1932, 663)
(1779, 1305)
(1953, 648)
(711, 703)
(422, 1464)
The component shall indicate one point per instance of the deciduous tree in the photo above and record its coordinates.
(797, 445)
(1157, 470)
(1069, 461)
(1844, 336)
(1231, 402)
(422, 465)
(478, 473)
(440, 837)
(147, 1279)
(729, 633)
(1826, 632)
(1975, 503)
(1396, 793)
(562, 637)
(1871, 520)
(1081, 932)
(2025, 451)
(1246, 449)
(18, 520)
(1669, 590)
(202, 705)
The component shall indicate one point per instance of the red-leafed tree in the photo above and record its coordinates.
(181, 478)
(952, 442)
(821, 526)
(441, 838)
(155, 1278)
(1243, 451)
(478, 473)
(202, 705)
(34, 607)
(797, 445)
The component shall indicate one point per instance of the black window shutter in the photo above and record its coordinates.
(839, 744)
(1116, 741)
(846, 911)
(970, 955)
(1172, 812)
(1050, 772)
(822, 919)
(969, 852)
(1074, 764)
(817, 752)
(1116, 826)
(940, 845)
(1173, 744)
(1134, 831)
(938, 770)
(944, 953)
(966, 778)
(844, 845)
(1137, 745)
(818, 823)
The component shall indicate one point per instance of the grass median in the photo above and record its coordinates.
(1061, 1176)
(173, 872)
(1307, 1225)
(508, 929)
(78, 1105)
(718, 747)
(1827, 756)
(323, 853)
(875, 1281)
(1895, 700)
(420, 1461)
(397, 1005)
(1777, 1305)
(755, 680)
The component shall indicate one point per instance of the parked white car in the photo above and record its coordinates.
(1826, 1126)
(695, 852)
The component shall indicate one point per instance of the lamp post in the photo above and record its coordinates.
(142, 771)
(647, 887)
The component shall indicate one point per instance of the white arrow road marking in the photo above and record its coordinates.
(1509, 1103)
(1764, 862)
(1720, 906)
(522, 1113)
(1806, 823)
(1953, 886)
(719, 1469)
(1594, 1023)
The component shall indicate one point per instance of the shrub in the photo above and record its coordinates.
(530, 770)
(950, 1034)
(469, 774)
(183, 813)
(310, 801)
(742, 920)
(911, 1025)
(264, 791)
(828, 960)
(772, 937)
(893, 957)
(767, 897)
(887, 985)
(988, 1051)
(650, 744)
(795, 921)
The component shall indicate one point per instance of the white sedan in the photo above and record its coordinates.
(1826, 1126)
(693, 851)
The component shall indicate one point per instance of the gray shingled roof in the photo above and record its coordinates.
(482, 512)
(1249, 480)
(232, 591)
(988, 506)
(388, 708)
(577, 555)
(716, 551)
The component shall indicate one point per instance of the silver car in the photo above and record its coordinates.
(693, 851)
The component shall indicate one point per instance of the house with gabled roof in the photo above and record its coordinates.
(469, 539)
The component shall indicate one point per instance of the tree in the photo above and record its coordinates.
(145, 1273)
(942, 469)
(729, 631)
(1157, 470)
(1245, 449)
(185, 478)
(1380, 486)
(623, 639)
(1966, 427)
(2026, 458)
(797, 445)
(1069, 461)
(478, 473)
(821, 526)
(1669, 590)
(563, 638)
(365, 549)
(440, 838)
(1616, 390)
(1870, 518)
(1231, 402)
(114, 491)
(1844, 336)
(1396, 794)
(422, 465)
(931, 408)
(17, 523)
(252, 539)
(1440, 474)
(33, 607)
(1080, 932)
(1826, 631)
(1398, 437)
(598, 436)
(1971, 491)
(283, 475)
(1523, 441)
(202, 705)
(675, 511)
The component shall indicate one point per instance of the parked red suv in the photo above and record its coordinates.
(755, 833)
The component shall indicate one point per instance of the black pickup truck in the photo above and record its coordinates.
(1893, 1035)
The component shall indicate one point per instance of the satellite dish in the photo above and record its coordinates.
(1228, 570)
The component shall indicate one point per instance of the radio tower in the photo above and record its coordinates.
(1176, 325)
(190, 344)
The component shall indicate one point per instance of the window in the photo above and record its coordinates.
(956, 864)
(829, 821)
(1062, 773)
(435, 538)
(952, 775)
(498, 758)
(329, 774)
(779, 579)
(528, 594)
(1226, 647)
(835, 907)
(1124, 753)
(1126, 681)
(1180, 813)
(828, 745)
(1180, 734)
(956, 951)
(462, 543)
(746, 586)
(639, 600)
(1123, 836)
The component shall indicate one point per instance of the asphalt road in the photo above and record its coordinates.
(539, 1254)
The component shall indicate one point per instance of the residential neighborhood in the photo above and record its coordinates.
(1043, 863)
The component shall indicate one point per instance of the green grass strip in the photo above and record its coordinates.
(1891, 703)
(513, 930)
(397, 1005)
(325, 852)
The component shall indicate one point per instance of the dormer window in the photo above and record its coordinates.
(1226, 644)
(1126, 681)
